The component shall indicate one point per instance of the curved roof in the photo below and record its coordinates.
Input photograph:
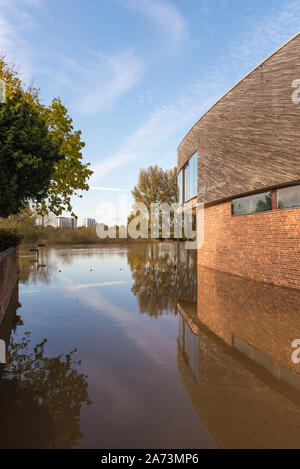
(239, 82)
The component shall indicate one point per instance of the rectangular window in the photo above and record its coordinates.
(288, 197)
(252, 204)
(195, 164)
(180, 187)
(187, 180)
(191, 177)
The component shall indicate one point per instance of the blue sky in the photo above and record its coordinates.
(137, 74)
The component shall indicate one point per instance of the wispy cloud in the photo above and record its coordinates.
(97, 82)
(205, 7)
(260, 38)
(166, 120)
(166, 15)
(145, 97)
(149, 340)
(94, 285)
(29, 292)
(15, 19)
(263, 36)
(107, 78)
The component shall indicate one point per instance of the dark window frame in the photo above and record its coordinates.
(274, 195)
(250, 198)
(278, 201)
(188, 163)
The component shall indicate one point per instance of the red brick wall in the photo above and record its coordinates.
(265, 316)
(8, 277)
(262, 246)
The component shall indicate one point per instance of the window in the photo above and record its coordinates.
(180, 188)
(187, 180)
(288, 197)
(195, 173)
(252, 204)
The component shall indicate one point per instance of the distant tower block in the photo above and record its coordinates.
(87, 222)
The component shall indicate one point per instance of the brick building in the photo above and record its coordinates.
(242, 161)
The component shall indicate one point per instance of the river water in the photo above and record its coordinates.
(109, 349)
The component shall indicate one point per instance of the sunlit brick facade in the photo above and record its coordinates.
(248, 173)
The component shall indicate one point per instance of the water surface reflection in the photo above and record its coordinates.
(94, 299)
(116, 347)
(162, 273)
(235, 360)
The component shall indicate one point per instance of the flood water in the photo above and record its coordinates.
(134, 347)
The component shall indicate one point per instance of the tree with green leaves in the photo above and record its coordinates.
(50, 391)
(28, 154)
(70, 175)
(40, 152)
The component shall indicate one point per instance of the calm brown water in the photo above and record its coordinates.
(109, 350)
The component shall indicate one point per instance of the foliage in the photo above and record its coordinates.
(25, 226)
(156, 185)
(70, 174)
(10, 76)
(8, 239)
(54, 386)
(162, 275)
(263, 205)
(40, 154)
(28, 154)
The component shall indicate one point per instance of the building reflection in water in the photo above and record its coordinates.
(40, 396)
(235, 360)
(162, 273)
(234, 353)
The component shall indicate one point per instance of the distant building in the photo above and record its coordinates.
(65, 222)
(89, 222)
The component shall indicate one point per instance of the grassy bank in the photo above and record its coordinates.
(8, 239)
(30, 233)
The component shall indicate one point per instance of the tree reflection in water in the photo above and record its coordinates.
(162, 274)
(33, 269)
(41, 398)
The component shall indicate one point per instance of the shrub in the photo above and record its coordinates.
(8, 239)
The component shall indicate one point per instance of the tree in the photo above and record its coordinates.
(50, 391)
(28, 153)
(70, 174)
(43, 151)
(162, 275)
(156, 185)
